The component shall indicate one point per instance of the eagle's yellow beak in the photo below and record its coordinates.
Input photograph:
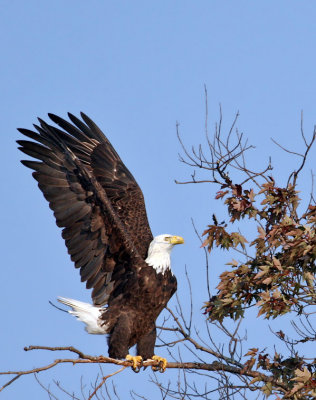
(176, 240)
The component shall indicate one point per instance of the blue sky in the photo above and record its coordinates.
(136, 68)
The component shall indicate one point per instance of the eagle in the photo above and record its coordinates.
(101, 208)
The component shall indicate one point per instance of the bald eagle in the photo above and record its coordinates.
(99, 205)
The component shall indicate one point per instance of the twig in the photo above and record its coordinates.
(103, 381)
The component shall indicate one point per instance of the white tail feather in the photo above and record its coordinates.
(87, 313)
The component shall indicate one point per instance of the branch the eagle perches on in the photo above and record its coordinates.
(88, 359)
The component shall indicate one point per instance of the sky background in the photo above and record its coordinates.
(137, 67)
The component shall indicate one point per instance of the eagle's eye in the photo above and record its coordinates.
(167, 238)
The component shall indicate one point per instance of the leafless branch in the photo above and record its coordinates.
(103, 382)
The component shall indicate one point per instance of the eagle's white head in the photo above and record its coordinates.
(159, 251)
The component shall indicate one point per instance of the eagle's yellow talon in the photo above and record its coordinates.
(136, 360)
(162, 364)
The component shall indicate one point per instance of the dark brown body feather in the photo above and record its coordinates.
(101, 209)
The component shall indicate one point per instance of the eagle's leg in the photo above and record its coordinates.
(145, 347)
(146, 344)
(119, 342)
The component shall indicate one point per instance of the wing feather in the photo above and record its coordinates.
(91, 268)
(94, 198)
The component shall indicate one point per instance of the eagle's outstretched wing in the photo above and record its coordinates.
(94, 198)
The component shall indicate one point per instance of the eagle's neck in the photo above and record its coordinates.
(159, 257)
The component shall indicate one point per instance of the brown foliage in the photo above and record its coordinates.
(277, 273)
